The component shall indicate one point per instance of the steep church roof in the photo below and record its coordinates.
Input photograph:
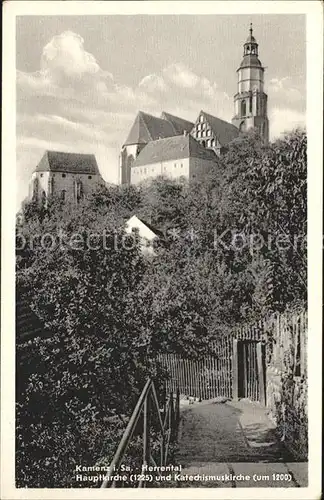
(180, 125)
(224, 131)
(72, 163)
(173, 148)
(148, 128)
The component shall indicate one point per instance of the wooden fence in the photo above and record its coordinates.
(278, 342)
(205, 378)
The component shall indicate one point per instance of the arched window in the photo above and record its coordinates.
(35, 189)
(243, 108)
(203, 143)
(78, 191)
(51, 186)
(242, 126)
(124, 156)
(43, 200)
(63, 195)
(130, 160)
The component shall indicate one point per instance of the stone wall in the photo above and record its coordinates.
(286, 381)
(63, 184)
(285, 339)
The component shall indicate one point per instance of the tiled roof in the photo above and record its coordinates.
(154, 230)
(148, 128)
(224, 131)
(173, 148)
(73, 163)
(180, 125)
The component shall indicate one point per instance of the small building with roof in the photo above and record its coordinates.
(149, 236)
(173, 158)
(68, 176)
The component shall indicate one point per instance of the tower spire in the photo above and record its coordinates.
(250, 101)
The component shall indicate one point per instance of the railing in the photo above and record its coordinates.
(167, 426)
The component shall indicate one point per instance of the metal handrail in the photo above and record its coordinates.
(166, 427)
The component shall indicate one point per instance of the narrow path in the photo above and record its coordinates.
(235, 438)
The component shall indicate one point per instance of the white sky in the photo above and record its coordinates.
(81, 80)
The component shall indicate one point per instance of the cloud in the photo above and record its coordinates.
(67, 70)
(65, 54)
(72, 104)
(153, 83)
(284, 90)
(284, 120)
(181, 76)
(179, 90)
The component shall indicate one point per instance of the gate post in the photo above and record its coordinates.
(235, 371)
(261, 374)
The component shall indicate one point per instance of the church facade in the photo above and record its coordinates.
(66, 176)
(146, 147)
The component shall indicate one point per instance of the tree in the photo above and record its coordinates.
(110, 311)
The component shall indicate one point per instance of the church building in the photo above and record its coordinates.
(167, 146)
(173, 157)
(67, 176)
(153, 146)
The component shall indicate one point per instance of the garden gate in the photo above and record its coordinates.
(249, 370)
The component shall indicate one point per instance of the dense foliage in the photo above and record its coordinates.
(235, 251)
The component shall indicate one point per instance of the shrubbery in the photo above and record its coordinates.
(108, 311)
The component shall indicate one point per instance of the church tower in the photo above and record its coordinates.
(250, 101)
